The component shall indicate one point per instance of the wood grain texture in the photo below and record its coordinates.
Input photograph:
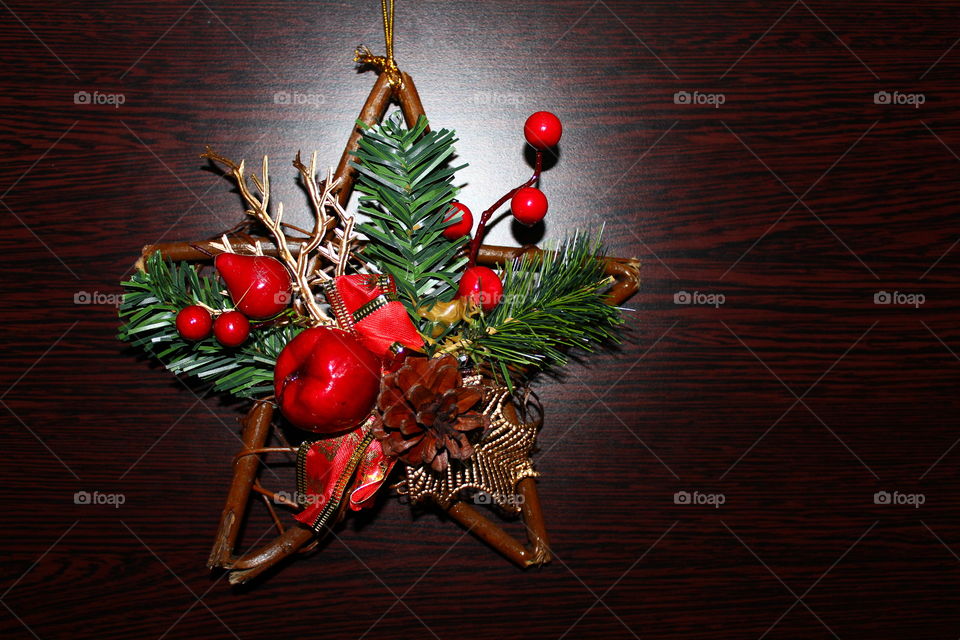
(797, 199)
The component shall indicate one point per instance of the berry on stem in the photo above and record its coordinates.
(529, 205)
(485, 217)
(461, 228)
(231, 328)
(482, 286)
(542, 130)
(194, 323)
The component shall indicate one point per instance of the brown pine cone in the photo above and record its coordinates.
(427, 413)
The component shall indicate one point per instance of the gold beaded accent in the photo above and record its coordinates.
(500, 460)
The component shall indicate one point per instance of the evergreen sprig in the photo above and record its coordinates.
(552, 301)
(406, 184)
(149, 309)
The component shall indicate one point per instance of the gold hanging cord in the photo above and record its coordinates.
(383, 64)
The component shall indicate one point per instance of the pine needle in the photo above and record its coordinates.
(553, 302)
(405, 182)
(149, 310)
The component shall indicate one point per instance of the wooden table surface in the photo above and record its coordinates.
(781, 169)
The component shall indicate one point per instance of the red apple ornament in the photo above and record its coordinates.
(461, 228)
(259, 285)
(482, 286)
(326, 380)
(542, 130)
(194, 322)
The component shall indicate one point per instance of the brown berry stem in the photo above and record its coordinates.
(482, 227)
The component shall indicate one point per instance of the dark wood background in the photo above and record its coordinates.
(797, 199)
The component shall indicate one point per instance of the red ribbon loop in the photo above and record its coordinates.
(348, 467)
(367, 306)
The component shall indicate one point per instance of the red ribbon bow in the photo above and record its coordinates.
(352, 466)
(349, 467)
(367, 306)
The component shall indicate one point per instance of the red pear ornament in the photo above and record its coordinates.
(326, 380)
(259, 286)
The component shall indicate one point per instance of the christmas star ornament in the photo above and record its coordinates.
(397, 347)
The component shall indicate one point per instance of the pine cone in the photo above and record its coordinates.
(427, 413)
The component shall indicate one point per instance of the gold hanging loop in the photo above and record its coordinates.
(382, 64)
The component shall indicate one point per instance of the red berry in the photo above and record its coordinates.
(461, 228)
(231, 328)
(259, 285)
(482, 286)
(542, 130)
(529, 205)
(326, 380)
(194, 322)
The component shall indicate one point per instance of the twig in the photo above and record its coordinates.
(322, 202)
(256, 427)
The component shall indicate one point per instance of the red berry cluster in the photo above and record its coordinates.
(260, 287)
(542, 131)
(482, 285)
(231, 328)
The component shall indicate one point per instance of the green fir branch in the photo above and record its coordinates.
(406, 190)
(553, 301)
(148, 312)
